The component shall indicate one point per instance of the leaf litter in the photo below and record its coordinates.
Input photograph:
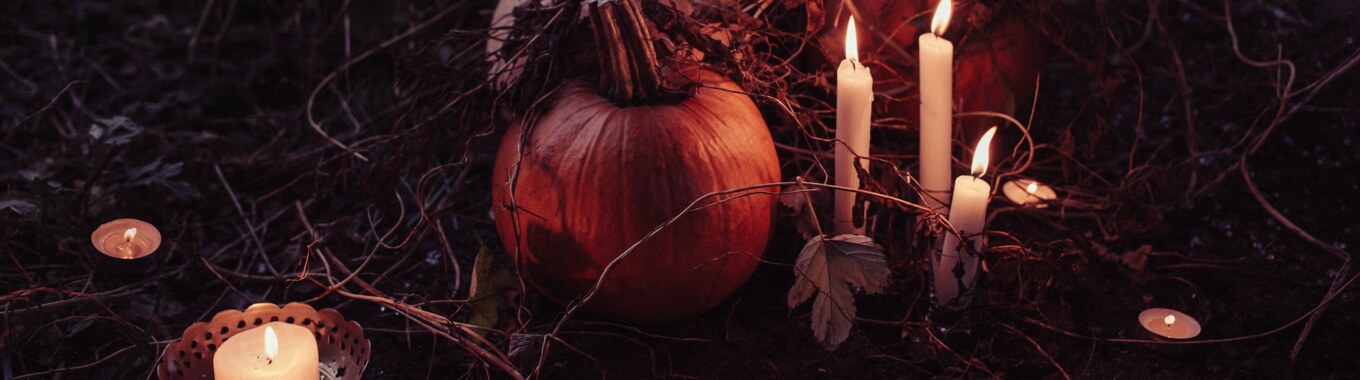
(828, 268)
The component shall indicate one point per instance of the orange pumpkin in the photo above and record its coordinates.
(598, 172)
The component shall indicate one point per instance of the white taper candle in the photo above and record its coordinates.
(854, 98)
(936, 56)
(955, 267)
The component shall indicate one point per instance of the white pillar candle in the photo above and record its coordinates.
(936, 66)
(854, 96)
(1169, 323)
(968, 215)
(277, 350)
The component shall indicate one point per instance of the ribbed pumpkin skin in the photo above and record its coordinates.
(595, 178)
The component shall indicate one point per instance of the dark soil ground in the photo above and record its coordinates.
(264, 138)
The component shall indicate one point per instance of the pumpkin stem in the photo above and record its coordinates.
(630, 74)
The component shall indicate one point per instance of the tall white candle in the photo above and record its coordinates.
(854, 96)
(937, 93)
(277, 351)
(955, 268)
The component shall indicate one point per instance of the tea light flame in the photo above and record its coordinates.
(980, 155)
(1168, 323)
(271, 343)
(126, 238)
(1033, 187)
(851, 43)
(940, 22)
(127, 249)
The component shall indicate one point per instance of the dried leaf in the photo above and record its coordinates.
(120, 130)
(805, 220)
(522, 343)
(486, 295)
(793, 198)
(163, 174)
(20, 206)
(1136, 259)
(828, 268)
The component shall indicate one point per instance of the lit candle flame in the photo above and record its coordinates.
(1170, 319)
(1033, 187)
(271, 343)
(980, 155)
(851, 43)
(941, 20)
(127, 248)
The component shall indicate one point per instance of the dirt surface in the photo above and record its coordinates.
(281, 146)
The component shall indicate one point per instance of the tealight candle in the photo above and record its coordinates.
(1028, 192)
(126, 239)
(955, 267)
(277, 350)
(937, 100)
(854, 96)
(1169, 323)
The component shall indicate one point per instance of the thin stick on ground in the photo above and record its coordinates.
(1041, 351)
(694, 205)
(311, 98)
(250, 227)
(1300, 319)
(1308, 327)
(56, 372)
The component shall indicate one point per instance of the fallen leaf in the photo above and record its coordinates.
(486, 294)
(112, 135)
(828, 268)
(522, 343)
(1136, 259)
(793, 198)
(20, 206)
(805, 219)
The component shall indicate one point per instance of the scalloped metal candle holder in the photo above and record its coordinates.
(340, 344)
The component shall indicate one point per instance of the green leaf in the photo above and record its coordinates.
(827, 268)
